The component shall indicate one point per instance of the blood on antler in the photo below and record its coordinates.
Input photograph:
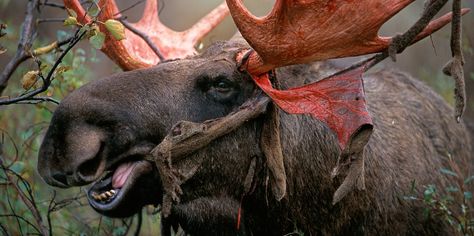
(297, 32)
(133, 52)
(302, 31)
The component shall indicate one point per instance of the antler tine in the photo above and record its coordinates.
(437, 24)
(126, 52)
(150, 14)
(298, 31)
(207, 23)
(133, 52)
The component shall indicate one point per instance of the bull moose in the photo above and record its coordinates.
(208, 138)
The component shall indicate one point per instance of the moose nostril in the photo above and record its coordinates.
(61, 178)
(88, 170)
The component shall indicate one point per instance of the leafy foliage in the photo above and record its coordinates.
(21, 128)
(116, 29)
(26, 202)
(453, 204)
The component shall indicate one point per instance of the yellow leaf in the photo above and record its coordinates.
(71, 12)
(45, 49)
(116, 29)
(71, 20)
(93, 30)
(29, 79)
(62, 69)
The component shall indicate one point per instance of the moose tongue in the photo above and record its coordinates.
(121, 174)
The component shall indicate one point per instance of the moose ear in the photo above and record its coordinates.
(271, 147)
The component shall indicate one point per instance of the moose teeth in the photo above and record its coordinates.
(105, 196)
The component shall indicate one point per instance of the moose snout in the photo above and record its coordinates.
(73, 161)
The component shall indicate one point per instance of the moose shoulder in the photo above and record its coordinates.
(102, 133)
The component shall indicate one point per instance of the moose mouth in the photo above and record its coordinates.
(123, 191)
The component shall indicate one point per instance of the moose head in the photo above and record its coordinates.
(197, 133)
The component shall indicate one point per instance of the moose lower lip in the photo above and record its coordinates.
(103, 197)
(102, 192)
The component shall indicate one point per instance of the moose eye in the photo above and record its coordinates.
(222, 86)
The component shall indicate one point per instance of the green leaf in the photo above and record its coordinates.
(71, 20)
(119, 231)
(468, 195)
(448, 172)
(62, 35)
(97, 41)
(469, 179)
(93, 10)
(429, 192)
(71, 12)
(410, 198)
(18, 167)
(116, 29)
(413, 186)
(452, 189)
(426, 213)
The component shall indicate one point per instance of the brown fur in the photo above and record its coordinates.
(414, 135)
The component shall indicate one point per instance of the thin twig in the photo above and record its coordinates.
(454, 67)
(48, 215)
(13, 211)
(128, 8)
(14, 146)
(36, 100)
(52, 4)
(46, 81)
(18, 217)
(139, 224)
(4, 230)
(48, 20)
(143, 36)
(160, 9)
(27, 201)
(400, 42)
(27, 36)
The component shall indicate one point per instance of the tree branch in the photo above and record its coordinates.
(454, 67)
(143, 36)
(30, 96)
(128, 8)
(26, 38)
(52, 4)
(48, 20)
(28, 202)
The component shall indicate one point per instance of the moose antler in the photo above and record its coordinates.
(133, 52)
(301, 31)
(297, 31)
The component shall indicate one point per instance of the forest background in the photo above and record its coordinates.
(66, 212)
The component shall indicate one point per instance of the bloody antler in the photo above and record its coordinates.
(296, 32)
(301, 31)
(133, 52)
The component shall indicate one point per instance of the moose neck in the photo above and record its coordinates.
(307, 145)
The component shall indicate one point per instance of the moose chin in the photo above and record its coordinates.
(221, 152)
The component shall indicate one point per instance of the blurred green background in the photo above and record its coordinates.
(22, 126)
